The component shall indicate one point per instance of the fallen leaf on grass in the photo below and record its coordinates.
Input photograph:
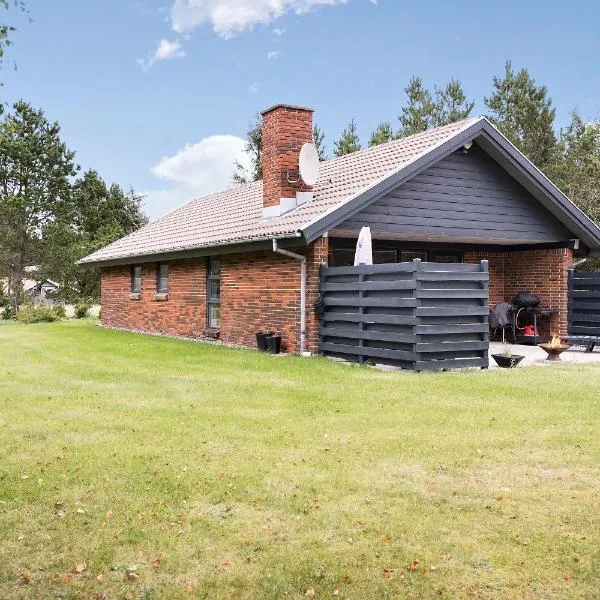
(310, 592)
(156, 562)
(21, 537)
(385, 537)
(24, 475)
(100, 577)
(225, 565)
(388, 573)
(80, 568)
(68, 578)
(336, 592)
(188, 589)
(25, 577)
(130, 576)
(414, 565)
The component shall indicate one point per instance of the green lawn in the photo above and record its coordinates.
(144, 467)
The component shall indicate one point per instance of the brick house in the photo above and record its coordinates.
(235, 262)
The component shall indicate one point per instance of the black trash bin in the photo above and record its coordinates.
(274, 344)
(261, 340)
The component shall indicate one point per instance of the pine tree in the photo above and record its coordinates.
(382, 134)
(35, 167)
(576, 169)
(417, 115)
(523, 112)
(319, 142)
(450, 104)
(349, 142)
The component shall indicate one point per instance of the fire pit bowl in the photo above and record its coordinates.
(554, 349)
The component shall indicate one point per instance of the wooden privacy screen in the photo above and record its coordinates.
(417, 315)
(584, 303)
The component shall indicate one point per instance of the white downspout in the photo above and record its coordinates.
(302, 260)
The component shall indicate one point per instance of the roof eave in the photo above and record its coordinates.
(256, 244)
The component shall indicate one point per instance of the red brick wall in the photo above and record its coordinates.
(543, 272)
(285, 129)
(183, 313)
(259, 291)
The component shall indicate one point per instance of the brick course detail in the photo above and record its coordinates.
(543, 272)
(260, 291)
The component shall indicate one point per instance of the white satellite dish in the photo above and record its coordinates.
(309, 164)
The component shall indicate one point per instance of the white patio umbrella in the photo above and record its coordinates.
(364, 248)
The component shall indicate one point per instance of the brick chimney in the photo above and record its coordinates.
(284, 130)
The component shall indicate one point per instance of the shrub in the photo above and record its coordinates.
(36, 314)
(7, 313)
(59, 310)
(4, 300)
(81, 310)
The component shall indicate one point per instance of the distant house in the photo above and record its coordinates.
(36, 290)
(231, 263)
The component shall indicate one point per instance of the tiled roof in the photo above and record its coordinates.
(235, 215)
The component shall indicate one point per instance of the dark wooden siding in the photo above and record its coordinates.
(463, 196)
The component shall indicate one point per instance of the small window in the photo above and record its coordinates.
(136, 279)
(213, 292)
(162, 278)
(384, 256)
(408, 255)
(446, 256)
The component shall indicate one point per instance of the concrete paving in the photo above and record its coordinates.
(536, 356)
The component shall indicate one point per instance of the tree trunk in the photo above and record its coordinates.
(16, 285)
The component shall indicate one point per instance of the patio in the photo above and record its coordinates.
(536, 356)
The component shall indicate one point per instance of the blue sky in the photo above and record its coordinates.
(157, 94)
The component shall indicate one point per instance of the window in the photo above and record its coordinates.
(162, 278)
(408, 255)
(213, 292)
(136, 279)
(446, 256)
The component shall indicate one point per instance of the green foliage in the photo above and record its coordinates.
(7, 30)
(523, 112)
(417, 115)
(254, 151)
(451, 104)
(35, 167)
(59, 310)
(7, 313)
(349, 142)
(382, 134)
(319, 142)
(39, 313)
(98, 215)
(425, 110)
(576, 168)
(81, 310)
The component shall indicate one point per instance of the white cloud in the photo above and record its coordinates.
(278, 31)
(196, 170)
(254, 87)
(231, 17)
(273, 55)
(165, 50)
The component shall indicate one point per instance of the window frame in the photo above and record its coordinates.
(211, 301)
(136, 280)
(160, 279)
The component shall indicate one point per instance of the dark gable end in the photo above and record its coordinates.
(557, 219)
(465, 197)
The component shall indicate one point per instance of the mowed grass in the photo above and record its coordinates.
(143, 467)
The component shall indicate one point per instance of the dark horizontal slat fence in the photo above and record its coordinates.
(422, 316)
(584, 303)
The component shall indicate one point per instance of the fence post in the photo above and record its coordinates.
(570, 287)
(361, 311)
(417, 319)
(486, 285)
